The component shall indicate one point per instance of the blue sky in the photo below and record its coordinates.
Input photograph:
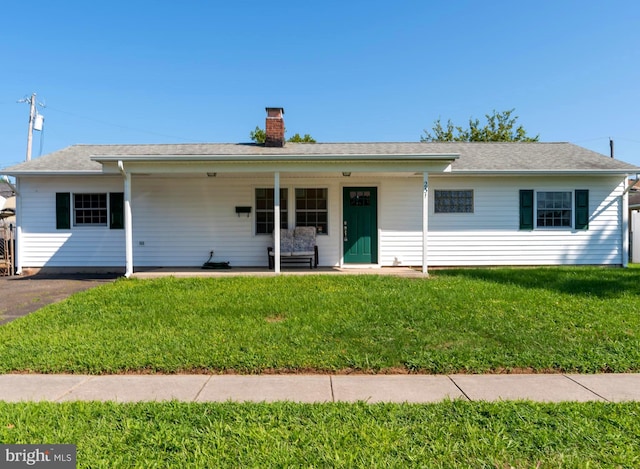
(203, 71)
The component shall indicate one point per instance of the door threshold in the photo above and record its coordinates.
(360, 266)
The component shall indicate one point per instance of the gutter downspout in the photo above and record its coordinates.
(625, 229)
(128, 232)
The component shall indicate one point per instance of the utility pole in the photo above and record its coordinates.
(32, 116)
(33, 113)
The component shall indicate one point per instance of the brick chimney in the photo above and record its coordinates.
(274, 128)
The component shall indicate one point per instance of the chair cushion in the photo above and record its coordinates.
(304, 240)
(286, 242)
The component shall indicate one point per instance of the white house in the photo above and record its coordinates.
(123, 207)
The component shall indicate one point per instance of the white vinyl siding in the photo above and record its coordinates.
(81, 246)
(177, 221)
(176, 231)
(490, 235)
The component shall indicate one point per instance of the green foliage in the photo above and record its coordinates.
(259, 136)
(298, 139)
(500, 127)
(467, 320)
(450, 434)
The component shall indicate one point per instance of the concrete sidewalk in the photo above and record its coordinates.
(320, 388)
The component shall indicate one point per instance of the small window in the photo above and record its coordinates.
(264, 210)
(311, 209)
(453, 201)
(360, 198)
(90, 209)
(553, 209)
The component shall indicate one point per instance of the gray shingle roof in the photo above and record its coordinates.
(5, 190)
(473, 157)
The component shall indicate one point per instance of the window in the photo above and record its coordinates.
(360, 198)
(311, 209)
(89, 209)
(554, 209)
(453, 201)
(264, 210)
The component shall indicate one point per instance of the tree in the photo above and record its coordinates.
(500, 127)
(298, 139)
(259, 136)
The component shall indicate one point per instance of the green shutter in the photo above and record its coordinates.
(116, 208)
(582, 209)
(63, 210)
(526, 209)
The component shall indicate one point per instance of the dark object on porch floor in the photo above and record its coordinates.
(215, 265)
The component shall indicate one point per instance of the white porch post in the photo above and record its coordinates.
(17, 253)
(625, 230)
(425, 221)
(276, 222)
(128, 228)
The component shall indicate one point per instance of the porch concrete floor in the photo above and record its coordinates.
(155, 272)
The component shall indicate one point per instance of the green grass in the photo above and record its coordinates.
(476, 320)
(448, 435)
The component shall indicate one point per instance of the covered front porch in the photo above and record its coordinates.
(400, 184)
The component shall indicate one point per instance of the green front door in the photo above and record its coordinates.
(360, 225)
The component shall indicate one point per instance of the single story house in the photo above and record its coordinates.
(124, 207)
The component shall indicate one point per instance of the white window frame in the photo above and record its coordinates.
(283, 219)
(75, 210)
(316, 210)
(571, 209)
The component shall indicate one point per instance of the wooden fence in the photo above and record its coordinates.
(7, 249)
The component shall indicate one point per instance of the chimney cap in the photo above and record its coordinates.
(274, 111)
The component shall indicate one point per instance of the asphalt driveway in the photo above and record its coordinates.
(21, 295)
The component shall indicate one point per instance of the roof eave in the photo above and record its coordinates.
(537, 172)
(88, 172)
(274, 158)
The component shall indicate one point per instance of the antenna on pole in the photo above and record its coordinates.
(35, 120)
(611, 147)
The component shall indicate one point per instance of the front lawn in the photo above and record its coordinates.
(476, 320)
(445, 435)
